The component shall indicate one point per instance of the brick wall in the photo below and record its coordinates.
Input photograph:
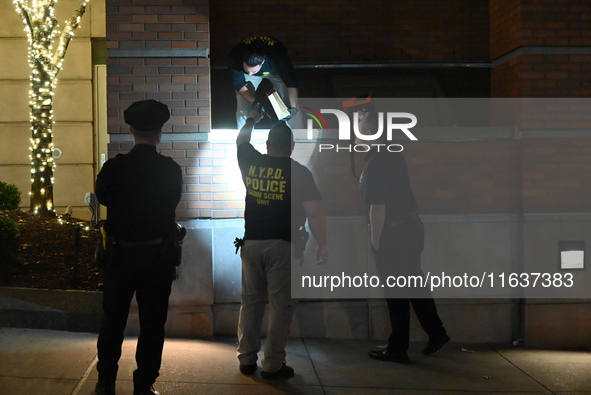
(540, 49)
(162, 24)
(156, 51)
(465, 177)
(447, 177)
(351, 31)
(212, 184)
(518, 23)
(543, 76)
(505, 26)
(158, 33)
(511, 175)
(181, 83)
(556, 175)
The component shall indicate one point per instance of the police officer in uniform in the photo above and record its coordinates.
(397, 236)
(257, 58)
(141, 190)
(270, 219)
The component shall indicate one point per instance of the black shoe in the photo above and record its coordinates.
(436, 344)
(104, 388)
(248, 369)
(146, 391)
(391, 356)
(284, 373)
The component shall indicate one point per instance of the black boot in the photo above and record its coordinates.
(145, 391)
(104, 388)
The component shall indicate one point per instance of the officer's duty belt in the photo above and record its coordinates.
(140, 243)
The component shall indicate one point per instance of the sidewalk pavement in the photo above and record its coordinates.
(38, 361)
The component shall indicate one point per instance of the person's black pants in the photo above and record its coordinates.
(399, 254)
(147, 272)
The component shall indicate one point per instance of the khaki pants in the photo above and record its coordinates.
(266, 276)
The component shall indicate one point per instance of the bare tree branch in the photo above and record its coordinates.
(23, 10)
(68, 32)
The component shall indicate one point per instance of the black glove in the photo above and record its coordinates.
(258, 106)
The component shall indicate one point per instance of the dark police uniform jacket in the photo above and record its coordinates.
(141, 190)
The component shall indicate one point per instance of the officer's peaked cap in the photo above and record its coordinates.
(147, 115)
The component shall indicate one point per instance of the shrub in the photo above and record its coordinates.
(8, 239)
(10, 196)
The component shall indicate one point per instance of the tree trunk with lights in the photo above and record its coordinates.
(40, 25)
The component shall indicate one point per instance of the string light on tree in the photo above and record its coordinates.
(41, 28)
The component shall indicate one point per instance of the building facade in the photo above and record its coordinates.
(503, 194)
